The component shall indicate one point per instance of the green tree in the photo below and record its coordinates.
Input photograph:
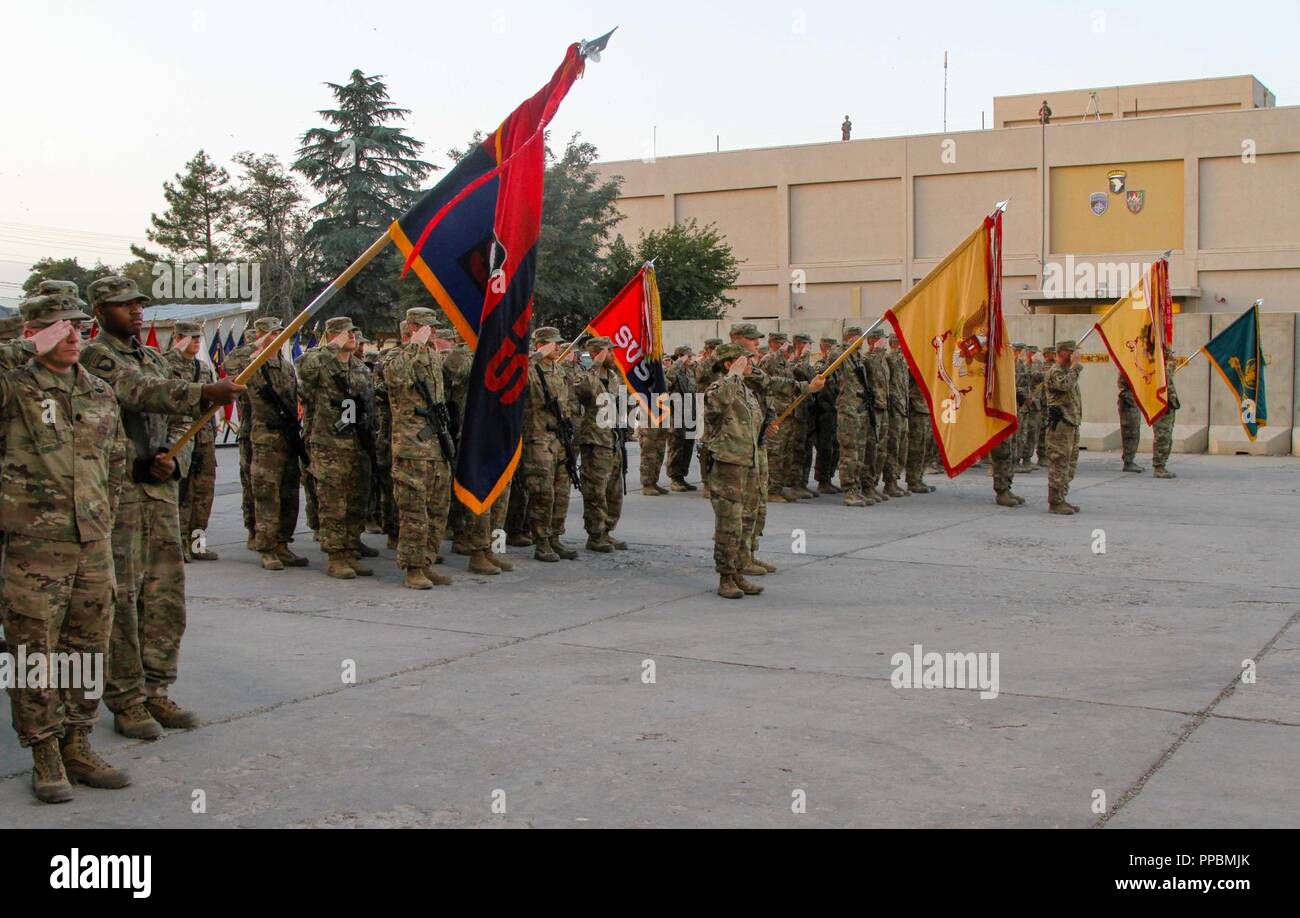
(578, 213)
(193, 227)
(367, 170)
(268, 226)
(65, 269)
(694, 266)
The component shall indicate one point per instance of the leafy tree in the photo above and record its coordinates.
(368, 172)
(65, 269)
(193, 227)
(694, 266)
(268, 225)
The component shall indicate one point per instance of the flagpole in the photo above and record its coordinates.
(1000, 207)
(286, 334)
(1164, 257)
(574, 343)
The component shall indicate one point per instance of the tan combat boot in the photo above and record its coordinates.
(270, 562)
(767, 566)
(499, 561)
(619, 544)
(84, 765)
(358, 568)
(893, 490)
(1061, 509)
(435, 578)
(49, 779)
(519, 540)
(287, 557)
(727, 587)
(854, 499)
(1005, 499)
(1162, 472)
(564, 551)
(135, 722)
(826, 487)
(598, 543)
(415, 579)
(749, 589)
(339, 568)
(170, 714)
(479, 564)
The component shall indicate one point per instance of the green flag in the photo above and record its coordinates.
(1235, 353)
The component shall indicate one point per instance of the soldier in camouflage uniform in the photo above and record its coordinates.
(271, 427)
(239, 358)
(10, 328)
(200, 481)
(653, 438)
(733, 419)
(851, 422)
(780, 447)
(822, 415)
(681, 381)
(334, 386)
(387, 510)
(421, 466)
(64, 465)
(1002, 458)
(1031, 414)
(601, 441)
(895, 462)
(1130, 424)
(801, 367)
(1049, 360)
(704, 377)
(149, 614)
(877, 430)
(544, 473)
(1162, 432)
(920, 438)
(1065, 413)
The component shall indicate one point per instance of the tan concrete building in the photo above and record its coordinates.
(1209, 169)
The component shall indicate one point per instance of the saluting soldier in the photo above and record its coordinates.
(546, 477)
(681, 381)
(779, 448)
(1049, 360)
(600, 439)
(334, 386)
(705, 375)
(200, 482)
(1032, 414)
(851, 407)
(149, 614)
(273, 432)
(1064, 414)
(421, 449)
(64, 465)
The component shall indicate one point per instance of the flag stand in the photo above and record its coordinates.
(286, 334)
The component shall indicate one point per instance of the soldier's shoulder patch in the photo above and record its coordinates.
(102, 361)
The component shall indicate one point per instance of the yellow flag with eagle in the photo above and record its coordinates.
(1137, 331)
(952, 332)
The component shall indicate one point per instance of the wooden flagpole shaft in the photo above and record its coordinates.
(286, 334)
(1186, 360)
(824, 374)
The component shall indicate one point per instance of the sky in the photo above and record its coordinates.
(105, 100)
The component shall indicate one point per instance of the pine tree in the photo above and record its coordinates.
(194, 225)
(368, 173)
(268, 225)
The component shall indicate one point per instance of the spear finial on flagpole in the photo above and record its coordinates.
(590, 50)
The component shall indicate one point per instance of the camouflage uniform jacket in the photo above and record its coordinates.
(899, 377)
(775, 366)
(1024, 386)
(260, 417)
(599, 381)
(878, 372)
(404, 369)
(851, 397)
(324, 382)
(65, 457)
(1062, 387)
(540, 422)
(1170, 365)
(191, 369)
(917, 406)
(733, 418)
(153, 403)
(456, 364)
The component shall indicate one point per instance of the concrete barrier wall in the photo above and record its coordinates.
(1226, 434)
(1207, 419)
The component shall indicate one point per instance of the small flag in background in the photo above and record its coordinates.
(1235, 352)
(952, 332)
(632, 321)
(152, 339)
(1138, 330)
(230, 341)
(296, 350)
(94, 328)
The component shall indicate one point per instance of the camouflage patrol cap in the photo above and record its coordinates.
(712, 342)
(597, 344)
(58, 286)
(337, 326)
(545, 335)
(1049, 349)
(875, 334)
(46, 310)
(727, 352)
(1068, 344)
(185, 328)
(1018, 345)
(11, 326)
(422, 315)
(802, 338)
(1032, 348)
(827, 339)
(854, 330)
(683, 351)
(777, 336)
(746, 330)
(110, 291)
(271, 324)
